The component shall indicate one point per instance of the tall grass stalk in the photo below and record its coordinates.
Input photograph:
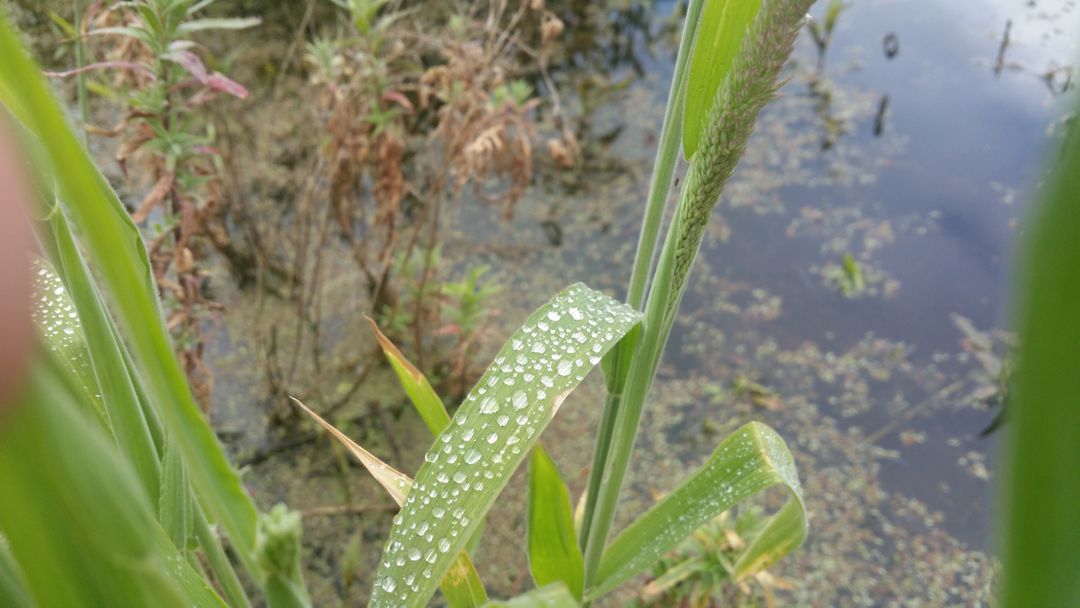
(750, 84)
(667, 158)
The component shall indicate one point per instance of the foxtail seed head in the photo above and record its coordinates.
(752, 81)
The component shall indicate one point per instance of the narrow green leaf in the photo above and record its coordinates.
(1041, 548)
(554, 555)
(175, 505)
(491, 434)
(752, 459)
(235, 23)
(219, 563)
(116, 390)
(63, 24)
(723, 27)
(423, 397)
(115, 250)
(461, 585)
(552, 596)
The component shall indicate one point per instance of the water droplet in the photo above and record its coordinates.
(520, 400)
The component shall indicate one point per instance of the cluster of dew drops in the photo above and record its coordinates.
(53, 311)
(512, 402)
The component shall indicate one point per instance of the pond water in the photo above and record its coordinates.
(881, 371)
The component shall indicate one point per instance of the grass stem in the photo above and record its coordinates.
(667, 157)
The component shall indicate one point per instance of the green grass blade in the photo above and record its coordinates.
(115, 249)
(554, 555)
(491, 434)
(551, 596)
(78, 521)
(723, 26)
(461, 585)
(175, 507)
(752, 459)
(423, 397)
(219, 563)
(1042, 478)
(116, 390)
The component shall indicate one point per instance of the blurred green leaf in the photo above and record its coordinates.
(752, 459)
(723, 27)
(554, 555)
(1042, 475)
(491, 434)
(77, 519)
(12, 588)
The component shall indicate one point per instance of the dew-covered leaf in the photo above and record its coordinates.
(554, 554)
(490, 435)
(461, 585)
(752, 459)
(424, 399)
(723, 27)
(62, 333)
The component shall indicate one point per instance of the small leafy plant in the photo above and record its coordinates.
(163, 87)
(698, 573)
